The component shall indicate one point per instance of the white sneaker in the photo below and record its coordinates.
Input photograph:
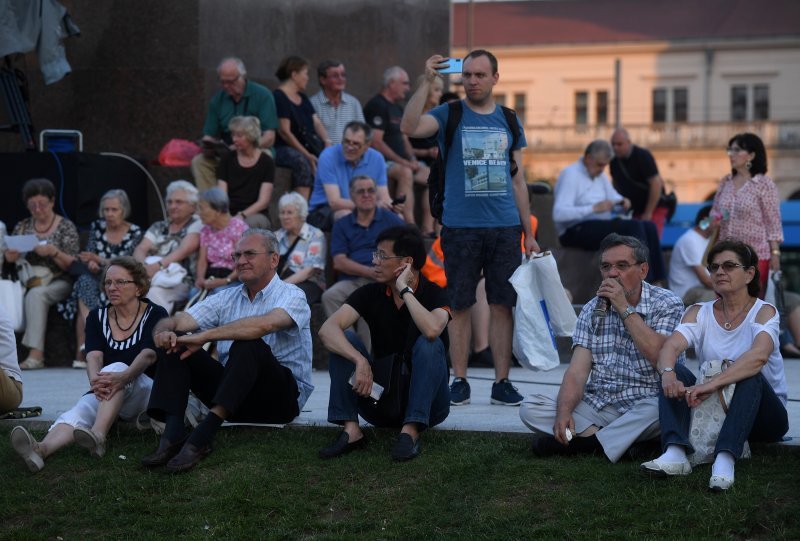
(25, 446)
(659, 468)
(31, 364)
(720, 483)
(79, 364)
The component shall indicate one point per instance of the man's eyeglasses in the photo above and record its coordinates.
(380, 256)
(727, 266)
(248, 255)
(622, 266)
(117, 283)
(355, 145)
(228, 82)
(365, 191)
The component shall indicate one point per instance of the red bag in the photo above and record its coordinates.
(178, 153)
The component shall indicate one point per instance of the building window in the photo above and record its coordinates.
(761, 102)
(738, 103)
(659, 105)
(680, 104)
(601, 107)
(500, 99)
(581, 108)
(519, 107)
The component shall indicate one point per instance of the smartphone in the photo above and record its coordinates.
(455, 66)
(377, 389)
(399, 200)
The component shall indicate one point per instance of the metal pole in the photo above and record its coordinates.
(617, 93)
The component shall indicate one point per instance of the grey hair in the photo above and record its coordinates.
(391, 74)
(184, 186)
(217, 199)
(640, 251)
(124, 202)
(298, 201)
(599, 147)
(270, 240)
(249, 126)
(239, 64)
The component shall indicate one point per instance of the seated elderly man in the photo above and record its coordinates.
(169, 247)
(586, 204)
(609, 395)
(264, 344)
(407, 317)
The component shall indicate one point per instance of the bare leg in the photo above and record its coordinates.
(353, 430)
(36, 354)
(411, 429)
(500, 330)
(60, 436)
(479, 314)
(107, 413)
(80, 329)
(460, 337)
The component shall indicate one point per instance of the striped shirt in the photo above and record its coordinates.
(621, 375)
(336, 118)
(291, 346)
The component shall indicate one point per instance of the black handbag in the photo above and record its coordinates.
(393, 374)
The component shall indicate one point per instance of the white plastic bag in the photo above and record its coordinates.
(543, 312)
(12, 295)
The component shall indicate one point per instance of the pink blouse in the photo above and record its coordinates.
(220, 244)
(752, 214)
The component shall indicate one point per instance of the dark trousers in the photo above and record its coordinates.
(252, 386)
(589, 234)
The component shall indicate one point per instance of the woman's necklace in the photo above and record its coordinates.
(729, 321)
(138, 308)
(46, 229)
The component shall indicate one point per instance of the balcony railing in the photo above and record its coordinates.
(783, 134)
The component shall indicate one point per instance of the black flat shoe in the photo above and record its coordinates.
(405, 448)
(188, 457)
(341, 446)
(163, 454)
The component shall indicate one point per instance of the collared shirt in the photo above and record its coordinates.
(576, 192)
(256, 101)
(336, 118)
(291, 346)
(621, 375)
(358, 242)
(309, 252)
(334, 169)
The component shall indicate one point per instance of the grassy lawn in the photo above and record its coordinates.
(269, 484)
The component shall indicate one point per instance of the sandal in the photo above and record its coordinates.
(32, 364)
(26, 447)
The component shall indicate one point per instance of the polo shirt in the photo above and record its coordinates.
(333, 168)
(358, 242)
(336, 118)
(256, 101)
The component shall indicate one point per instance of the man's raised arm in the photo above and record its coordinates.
(414, 123)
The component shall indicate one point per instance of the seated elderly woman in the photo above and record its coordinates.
(56, 251)
(121, 360)
(218, 238)
(302, 248)
(110, 236)
(174, 240)
(738, 327)
(247, 175)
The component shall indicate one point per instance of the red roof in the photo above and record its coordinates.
(612, 21)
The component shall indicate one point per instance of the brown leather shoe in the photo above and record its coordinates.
(163, 454)
(188, 457)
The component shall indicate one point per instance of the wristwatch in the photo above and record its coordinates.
(227, 279)
(405, 290)
(665, 370)
(628, 311)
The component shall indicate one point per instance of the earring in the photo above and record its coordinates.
(749, 164)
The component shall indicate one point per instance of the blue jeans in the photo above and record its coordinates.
(428, 395)
(755, 414)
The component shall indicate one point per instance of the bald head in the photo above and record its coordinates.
(621, 143)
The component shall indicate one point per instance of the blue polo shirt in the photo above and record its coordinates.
(358, 242)
(333, 168)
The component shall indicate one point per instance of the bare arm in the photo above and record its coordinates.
(520, 188)
(332, 335)
(264, 196)
(107, 384)
(430, 323)
(344, 264)
(319, 127)
(380, 145)
(189, 244)
(571, 392)
(653, 196)
(414, 123)
(202, 267)
(267, 139)
(703, 276)
(335, 199)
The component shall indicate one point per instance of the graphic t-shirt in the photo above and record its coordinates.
(478, 191)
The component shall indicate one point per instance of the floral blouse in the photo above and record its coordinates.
(165, 242)
(99, 244)
(219, 245)
(751, 214)
(65, 238)
(309, 251)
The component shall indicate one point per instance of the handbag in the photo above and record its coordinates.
(309, 139)
(34, 275)
(393, 374)
(707, 418)
(543, 312)
(12, 295)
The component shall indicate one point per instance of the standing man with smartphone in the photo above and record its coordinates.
(486, 209)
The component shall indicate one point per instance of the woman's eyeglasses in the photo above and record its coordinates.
(727, 266)
(117, 283)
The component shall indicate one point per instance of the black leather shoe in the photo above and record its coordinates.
(405, 448)
(163, 454)
(545, 445)
(341, 446)
(188, 457)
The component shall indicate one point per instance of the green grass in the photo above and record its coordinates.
(269, 484)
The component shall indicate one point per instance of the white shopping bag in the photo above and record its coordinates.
(543, 312)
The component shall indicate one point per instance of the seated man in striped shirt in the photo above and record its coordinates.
(264, 344)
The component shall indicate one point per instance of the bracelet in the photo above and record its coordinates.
(665, 370)
(227, 279)
(776, 251)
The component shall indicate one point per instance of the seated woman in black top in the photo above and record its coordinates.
(301, 135)
(247, 175)
(121, 360)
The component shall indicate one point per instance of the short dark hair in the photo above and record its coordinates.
(38, 186)
(357, 125)
(322, 67)
(640, 251)
(407, 241)
(752, 143)
(135, 268)
(702, 214)
(483, 52)
(360, 177)
(289, 65)
(747, 257)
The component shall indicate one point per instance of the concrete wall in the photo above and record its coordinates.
(143, 70)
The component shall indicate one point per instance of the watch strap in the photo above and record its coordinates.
(405, 290)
